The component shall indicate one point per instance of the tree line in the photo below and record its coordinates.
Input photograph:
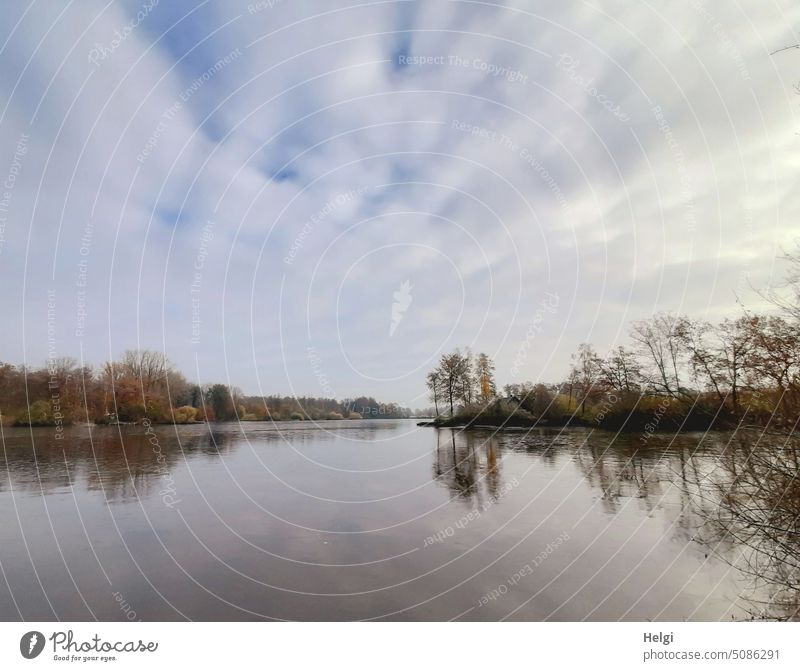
(684, 371)
(145, 384)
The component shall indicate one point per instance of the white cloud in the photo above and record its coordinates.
(617, 215)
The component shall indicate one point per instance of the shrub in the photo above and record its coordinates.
(133, 412)
(40, 414)
(354, 415)
(297, 416)
(158, 410)
(185, 414)
(500, 412)
(335, 415)
(540, 402)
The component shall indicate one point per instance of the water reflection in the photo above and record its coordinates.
(124, 464)
(736, 495)
(752, 503)
(703, 498)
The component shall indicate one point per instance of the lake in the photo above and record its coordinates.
(370, 519)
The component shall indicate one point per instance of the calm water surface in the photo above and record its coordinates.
(362, 519)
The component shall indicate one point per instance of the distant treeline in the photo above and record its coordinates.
(676, 373)
(143, 384)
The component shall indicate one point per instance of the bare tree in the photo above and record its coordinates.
(735, 343)
(661, 347)
(468, 383)
(434, 384)
(620, 370)
(148, 367)
(586, 364)
(786, 295)
(696, 337)
(759, 506)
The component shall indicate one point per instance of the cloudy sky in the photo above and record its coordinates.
(322, 197)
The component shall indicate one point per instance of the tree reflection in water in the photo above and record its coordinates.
(728, 496)
(757, 497)
(125, 465)
(737, 495)
(468, 464)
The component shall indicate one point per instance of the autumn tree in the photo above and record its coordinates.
(453, 370)
(484, 374)
(774, 358)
